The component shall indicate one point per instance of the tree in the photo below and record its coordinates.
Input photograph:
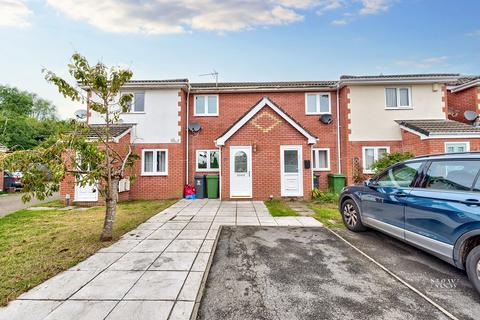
(90, 162)
(43, 109)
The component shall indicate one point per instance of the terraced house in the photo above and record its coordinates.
(269, 139)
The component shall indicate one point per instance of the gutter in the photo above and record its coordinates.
(395, 81)
(262, 89)
(465, 86)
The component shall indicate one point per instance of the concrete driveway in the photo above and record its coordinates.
(300, 273)
(13, 202)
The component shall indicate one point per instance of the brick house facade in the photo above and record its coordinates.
(179, 129)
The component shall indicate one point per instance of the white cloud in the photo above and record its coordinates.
(14, 13)
(340, 22)
(170, 16)
(423, 63)
(374, 6)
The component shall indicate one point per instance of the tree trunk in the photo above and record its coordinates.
(111, 209)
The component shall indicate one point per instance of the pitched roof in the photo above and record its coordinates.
(400, 76)
(116, 130)
(274, 85)
(265, 101)
(464, 82)
(439, 127)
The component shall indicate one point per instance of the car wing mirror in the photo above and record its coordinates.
(371, 183)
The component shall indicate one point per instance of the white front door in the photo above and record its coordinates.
(291, 171)
(88, 193)
(241, 172)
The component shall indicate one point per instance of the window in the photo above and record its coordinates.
(290, 161)
(317, 103)
(240, 162)
(321, 159)
(396, 98)
(154, 162)
(452, 147)
(208, 160)
(206, 106)
(477, 185)
(372, 154)
(452, 175)
(400, 176)
(137, 105)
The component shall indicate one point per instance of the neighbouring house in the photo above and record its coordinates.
(464, 95)
(269, 139)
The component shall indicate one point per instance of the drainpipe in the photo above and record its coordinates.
(339, 149)
(187, 134)
(220, 172)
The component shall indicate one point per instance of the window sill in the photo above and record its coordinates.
(154, 174)
(205, 115)
(134, 112)
(324, 169)
(207, 170)
(317, 113)
(368, 172)
(400, 108)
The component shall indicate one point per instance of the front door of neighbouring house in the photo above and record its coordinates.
(291, 171)
(87, 193)
(241, 172)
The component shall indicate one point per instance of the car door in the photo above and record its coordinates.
(383, 206)
(442, 207)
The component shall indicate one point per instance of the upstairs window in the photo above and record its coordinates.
(206, 105)
(154, 162)
(137, 105)
(397, 98)
(317, 103)
(372, 154)
(321, 159)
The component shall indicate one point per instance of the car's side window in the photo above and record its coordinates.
(452, 175)
(400, 176)
(477, 185)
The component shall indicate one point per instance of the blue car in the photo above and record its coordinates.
(431, 202)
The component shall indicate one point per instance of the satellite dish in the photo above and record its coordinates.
(194, 127)
(326, 119)
(471, 115)
(80, 114)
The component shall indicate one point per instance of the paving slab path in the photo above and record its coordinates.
(153, 272)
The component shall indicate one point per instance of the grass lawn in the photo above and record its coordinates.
(327, 213)
(36, 245)
(279, 208)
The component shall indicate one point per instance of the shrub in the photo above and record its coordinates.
(324, 196)
(390, 159)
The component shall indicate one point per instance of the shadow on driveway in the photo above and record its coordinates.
(302, 273)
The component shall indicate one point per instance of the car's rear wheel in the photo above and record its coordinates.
(351, 216)
(473, 267)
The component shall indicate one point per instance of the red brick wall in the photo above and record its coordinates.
(233, 106)
(413, 144)
(266, 177)
(459, 102)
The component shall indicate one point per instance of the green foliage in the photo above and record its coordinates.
(390, 159)
(324, 196)
(25, 119)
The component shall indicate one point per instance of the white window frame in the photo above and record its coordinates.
(132, 110)
(314, 167)
(206, 114)
(154, 173)
(318, 94)
(375, 156)
(398, 107)
(466, 143)
(208, 169)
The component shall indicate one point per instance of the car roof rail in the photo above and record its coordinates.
(446, 154)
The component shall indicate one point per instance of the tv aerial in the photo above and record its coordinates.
(213, 74)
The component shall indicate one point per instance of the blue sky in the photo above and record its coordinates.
(256, 40)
